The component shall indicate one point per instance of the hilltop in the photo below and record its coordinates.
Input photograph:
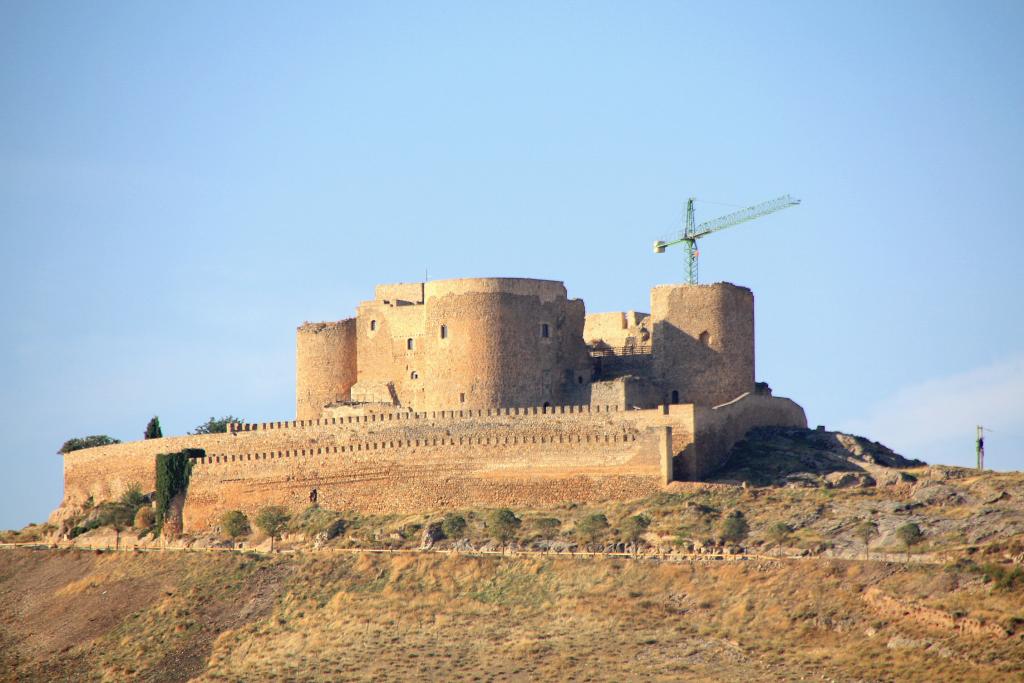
(558, 601)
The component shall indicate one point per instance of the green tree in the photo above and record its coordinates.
(633, 528)
(910, 535)
(272, 521)
(547, 526)
(153, 429)
(453, 526)
(865, 530)
(173, 471)
(592, 526)
(93, 441)
(734, 528)
(217, 426)
(235, 524)
(503, 524)
(778, 535)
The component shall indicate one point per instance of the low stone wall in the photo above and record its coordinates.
(895, 608)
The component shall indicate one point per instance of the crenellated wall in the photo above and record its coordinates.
(404, 462)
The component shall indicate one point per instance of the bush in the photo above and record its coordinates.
(734, 528)
(632, 528)
(78, 444)
(592, 526)
(235, 524)
(1004, 579)
(145, 518)
(503, 524)
(153, 430)
(133, 497)
(453, 526)
(272, 521)
(217, 426)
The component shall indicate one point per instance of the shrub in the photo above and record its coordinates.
(503, 524)
(153, 430)
(734, 528)
(145, 518)
(592, 526)
(235, 524)
(133, 497)
(453, 526)
(217, 426)
(272, 521)
(632, 528)
(547, 526)
(1004, 579)
(316, 521)
(86, 442)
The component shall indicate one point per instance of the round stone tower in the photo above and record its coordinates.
(703, 342)
(325, 366)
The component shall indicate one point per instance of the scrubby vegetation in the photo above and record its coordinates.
(272, 521)
(87, 442)
(217, 425)
(172, 474)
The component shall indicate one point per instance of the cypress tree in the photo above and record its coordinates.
(153, 429)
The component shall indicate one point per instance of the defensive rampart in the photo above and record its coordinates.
(407, 462)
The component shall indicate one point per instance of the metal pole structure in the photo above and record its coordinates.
(979, 447)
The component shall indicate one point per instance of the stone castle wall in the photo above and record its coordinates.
(408, 462)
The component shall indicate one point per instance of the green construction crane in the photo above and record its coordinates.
(691, 234)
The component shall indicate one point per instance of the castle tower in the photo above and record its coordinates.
(703, 342)
(472, 343)
(325, 366)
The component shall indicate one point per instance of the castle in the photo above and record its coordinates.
(479, 392)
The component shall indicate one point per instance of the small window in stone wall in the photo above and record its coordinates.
(705, 338)
(414, 375)
(675, 396)
(408, 344)
(545, 331)
(444, 331)
(373, 325)
(462, 398)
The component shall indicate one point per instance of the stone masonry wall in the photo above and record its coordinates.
(405, 462)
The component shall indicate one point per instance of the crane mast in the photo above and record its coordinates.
(691, 233)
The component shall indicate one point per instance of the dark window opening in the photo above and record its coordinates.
(444, 331)
(580, 379)
(675, 396)
(373, 325)
(414, 375)
(705, 338)
(545, 331)
(408, 344)
(462, 398)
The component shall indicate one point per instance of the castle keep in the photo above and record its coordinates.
(479, 392)
(516, 343)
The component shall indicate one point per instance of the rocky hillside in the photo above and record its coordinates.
(798, 550)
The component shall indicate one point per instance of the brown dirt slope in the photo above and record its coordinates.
(175, 616)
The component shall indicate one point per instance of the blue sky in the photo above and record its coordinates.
(182, 184)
